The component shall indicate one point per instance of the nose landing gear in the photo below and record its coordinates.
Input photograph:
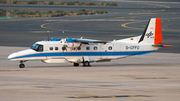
(76, 64)
(21, 65)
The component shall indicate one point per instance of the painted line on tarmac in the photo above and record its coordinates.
(109, 96)
(123, 35)
(126, 17)
(150, 3)
(94, 20)
(43, 25)
(157, 5)
(141, 13)
(125, 25)
(61, 21)
(38, 31)
(152, 13)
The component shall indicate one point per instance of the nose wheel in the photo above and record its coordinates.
(21, 65)
(76, 64)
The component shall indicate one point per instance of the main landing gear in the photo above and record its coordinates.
(21, 65)
(86, 64)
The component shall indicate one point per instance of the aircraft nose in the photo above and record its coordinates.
(11, 56)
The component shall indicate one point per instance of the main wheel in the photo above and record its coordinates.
(86, 63)
(21, 65)
(76, 64)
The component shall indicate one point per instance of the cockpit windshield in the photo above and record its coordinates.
(37, 47)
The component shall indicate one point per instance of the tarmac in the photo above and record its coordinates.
(125, 20)
(151, 77)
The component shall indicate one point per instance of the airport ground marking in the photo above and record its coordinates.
(43, 25)
(152, 13)
(125, 25)
(109, 96)
(123, 35)
(150, 4)
(158, 5)
(39, 31)
(126, 17)
(91, 20)
(140, 13)
(62, 21)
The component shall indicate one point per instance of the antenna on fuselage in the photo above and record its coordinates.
(48, 34)
(63, 34)
(64, 41)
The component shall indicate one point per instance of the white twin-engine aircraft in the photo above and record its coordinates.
(86, 51)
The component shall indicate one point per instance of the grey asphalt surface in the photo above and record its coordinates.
(151, 77)
(26, 31)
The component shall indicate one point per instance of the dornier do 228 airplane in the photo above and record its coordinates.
(85, 51)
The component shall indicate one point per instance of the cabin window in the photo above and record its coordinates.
(95, 48)
(63, 48)
(56, 48)
(110, 47)
(88, 48)
(37, 47)
(50, 48)
(73, 48)
(79, 48)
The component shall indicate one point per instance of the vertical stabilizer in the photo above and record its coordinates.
(152, 33)
(158, 33)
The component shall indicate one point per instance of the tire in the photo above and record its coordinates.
(86, 63)
(76, 64)
(21, 65)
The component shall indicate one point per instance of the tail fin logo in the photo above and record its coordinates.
(149, 35)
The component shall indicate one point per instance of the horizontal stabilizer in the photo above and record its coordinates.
(162, 45)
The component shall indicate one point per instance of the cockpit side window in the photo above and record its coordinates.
(37, 47)
(40, 48)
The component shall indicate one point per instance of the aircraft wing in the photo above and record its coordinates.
(86, 41)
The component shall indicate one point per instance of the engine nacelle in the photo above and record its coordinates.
(73, 45)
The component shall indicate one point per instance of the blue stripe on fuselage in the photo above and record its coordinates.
(83, 54)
